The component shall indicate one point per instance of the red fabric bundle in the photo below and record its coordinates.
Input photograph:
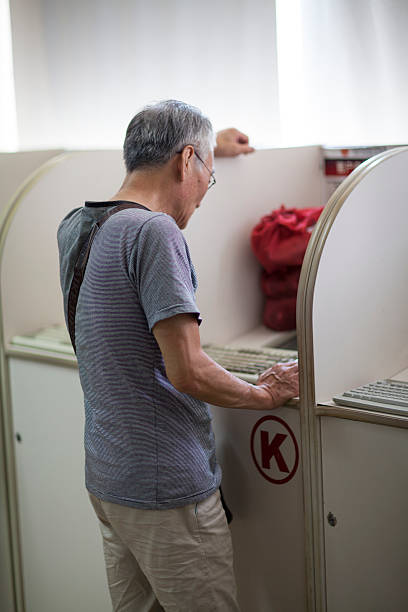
(281, 283)
(280, 314)
(280, 239)
(279, 242)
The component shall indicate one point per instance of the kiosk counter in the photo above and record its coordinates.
(316, 490)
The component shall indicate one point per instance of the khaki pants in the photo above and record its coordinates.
(177, 560)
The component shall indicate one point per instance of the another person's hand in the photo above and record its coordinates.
(281, 381)
(231, 142)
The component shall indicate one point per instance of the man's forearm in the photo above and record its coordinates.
(190, 370)
(209, 382)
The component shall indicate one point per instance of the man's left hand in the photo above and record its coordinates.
(231, 142)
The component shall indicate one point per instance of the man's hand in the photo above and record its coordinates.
(281, 381)
(231, 142)
(190, 370)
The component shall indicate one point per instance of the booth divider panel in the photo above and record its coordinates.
(31, 296)
(16, 167)
(360, 322)
(248, 187)
(218, 235)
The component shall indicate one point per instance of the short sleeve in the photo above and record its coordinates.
(163, 272)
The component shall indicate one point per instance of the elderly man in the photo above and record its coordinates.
(151, 469)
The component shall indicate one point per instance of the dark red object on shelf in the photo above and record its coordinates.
(279, 242)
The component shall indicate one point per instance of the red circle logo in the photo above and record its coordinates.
(274, 449)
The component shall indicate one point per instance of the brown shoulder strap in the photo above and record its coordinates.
(81, 263)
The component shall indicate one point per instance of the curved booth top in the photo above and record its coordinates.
(16, 167)
(353, 298)
(30, 295)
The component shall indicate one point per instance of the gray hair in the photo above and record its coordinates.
(161, 130)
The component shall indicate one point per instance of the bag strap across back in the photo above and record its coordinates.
(81, 263)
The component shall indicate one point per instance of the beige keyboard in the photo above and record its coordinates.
(248, 364)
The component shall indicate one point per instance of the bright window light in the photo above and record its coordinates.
(290, 68)
(8, 118)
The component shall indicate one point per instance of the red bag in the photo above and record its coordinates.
(280, 313)
(280, 239)
(281, 283)
(279, 242)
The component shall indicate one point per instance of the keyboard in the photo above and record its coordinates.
(248, 364)
(55, 339)
(389, 396)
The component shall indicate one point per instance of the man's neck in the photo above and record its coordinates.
(146, 190)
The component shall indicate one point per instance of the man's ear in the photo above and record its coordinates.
(184, 162)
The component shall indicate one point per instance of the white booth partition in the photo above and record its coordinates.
(353, 324)
(42, 400)
(15, 168)
(218, 234)
(262, 480)
(61, 553)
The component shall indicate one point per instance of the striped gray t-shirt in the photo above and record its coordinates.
(147, 445)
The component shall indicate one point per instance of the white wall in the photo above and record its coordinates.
(8, 118)
(342, 71)
(84, 67)
(337, 74)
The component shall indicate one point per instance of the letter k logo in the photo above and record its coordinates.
(270, 450)
(274, 449)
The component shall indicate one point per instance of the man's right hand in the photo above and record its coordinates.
(190, 370)
(281, 381)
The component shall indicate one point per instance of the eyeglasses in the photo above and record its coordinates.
(211, 180)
